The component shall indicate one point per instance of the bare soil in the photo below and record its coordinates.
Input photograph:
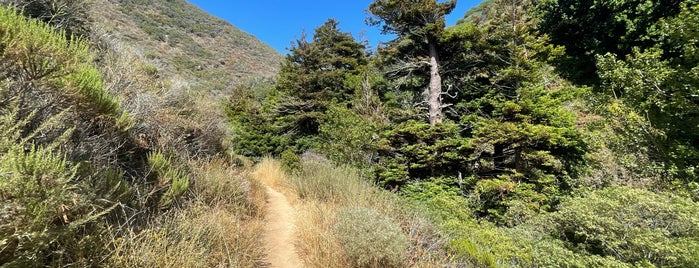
(279, 231)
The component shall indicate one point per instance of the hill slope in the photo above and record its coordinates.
(185, 43)
(476, 13)
(173, 64)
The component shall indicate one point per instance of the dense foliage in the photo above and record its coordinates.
(56, 183)
(566, 132)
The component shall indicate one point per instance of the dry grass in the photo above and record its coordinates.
(269, 172)
(196, 237)
(323, 190)
(316, 243)
(221, 226)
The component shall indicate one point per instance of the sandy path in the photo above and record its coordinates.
(279, 231)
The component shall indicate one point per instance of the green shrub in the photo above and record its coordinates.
(632, 225)
(46, 214)
(291, 162)
(370, 239)
(440, 198)
(63, 66)
(168, 177)
(66, 15)
(348, 137)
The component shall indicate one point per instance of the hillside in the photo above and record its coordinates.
(174, 64)
(186, 44)
(476, 13)
(114, 144)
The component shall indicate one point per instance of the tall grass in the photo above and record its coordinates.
(269, 172)
(344, 221)
(220, 227)
(324, 182)
(199, 236)
(218, 183)
(315, 241)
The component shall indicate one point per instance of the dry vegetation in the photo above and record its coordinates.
(220, 227)
(345, 222)
(173, 64)
(130, 147)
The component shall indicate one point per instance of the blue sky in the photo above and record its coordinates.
(279, 22)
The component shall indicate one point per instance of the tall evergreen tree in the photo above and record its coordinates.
(311, 81)
(419, 25)
(312, 78)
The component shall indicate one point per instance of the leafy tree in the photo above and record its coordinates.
(419, 25)
(596, 27)
(663, 86)
(514, 146)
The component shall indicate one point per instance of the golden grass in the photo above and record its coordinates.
(322, 190)
(221, 226)
(316, 243)
(196, 237)
(269, 171)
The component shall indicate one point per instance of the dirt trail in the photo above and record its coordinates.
(279, 231)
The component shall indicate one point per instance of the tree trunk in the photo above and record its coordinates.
(434, 91)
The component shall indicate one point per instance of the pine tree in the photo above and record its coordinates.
(419, 25)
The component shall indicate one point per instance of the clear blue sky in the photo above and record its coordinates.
(279, 22)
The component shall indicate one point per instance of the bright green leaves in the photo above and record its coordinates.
(171, 182)
(589, 28)
(347, 136)
(664, 88)
(532, 148)
(632, 225)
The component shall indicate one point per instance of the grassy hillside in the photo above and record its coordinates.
(174, 64)
(185, 44)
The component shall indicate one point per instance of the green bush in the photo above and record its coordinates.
(632, 225)
(370, 239)
(45, 208)
(70, 16)
(348, 137)
(169, 177)
(416, 150)
(64, 67)
(291, 162)
(440, 198)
